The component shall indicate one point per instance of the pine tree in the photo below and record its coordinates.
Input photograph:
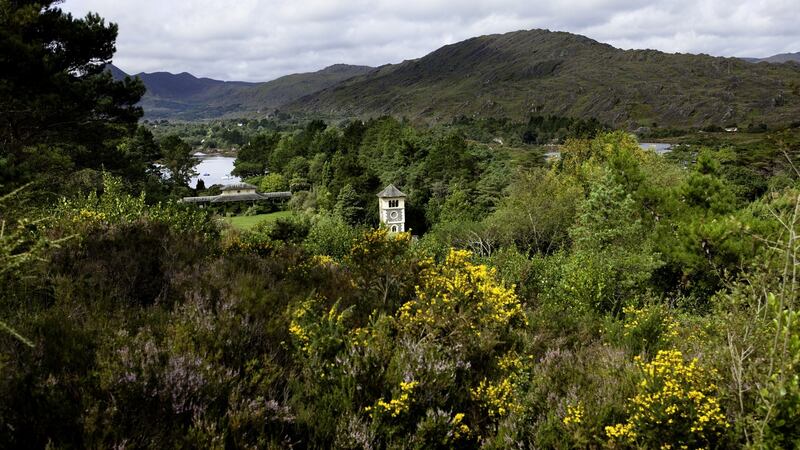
(60, 111)
(348, 205)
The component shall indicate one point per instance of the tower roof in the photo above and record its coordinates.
(390, 191)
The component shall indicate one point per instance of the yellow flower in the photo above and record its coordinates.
(676, 397)
(574, 415)
(399, 405)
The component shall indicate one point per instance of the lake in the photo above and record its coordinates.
(214, 170)
(657, 147)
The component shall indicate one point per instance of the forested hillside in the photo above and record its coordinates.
(509, 75)
(609, 297)
(542, 72)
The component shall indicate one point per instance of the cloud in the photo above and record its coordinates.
(258, 40)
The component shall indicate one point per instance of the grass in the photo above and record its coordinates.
(247, 222)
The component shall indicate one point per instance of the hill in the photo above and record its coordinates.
(543, 72)
(184, 96)
(780, 58)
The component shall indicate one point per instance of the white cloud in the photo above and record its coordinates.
(257, 40)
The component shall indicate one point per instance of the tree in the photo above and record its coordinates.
(702, 240)
(458, 207)
(274, 182)
(253, 159)
(537, 211)
(139, 152)
(347, 205)
(177, 158)
(612, 257)
(59, 110)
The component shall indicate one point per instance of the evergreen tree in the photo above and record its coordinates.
(253, 159)
(612, 258)
(59, 110)
(178, 159)
(347, 205)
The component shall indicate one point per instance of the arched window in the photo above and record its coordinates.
(394, 228)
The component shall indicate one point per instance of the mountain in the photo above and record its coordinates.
(116, 72)
(184, 96)
(780, 58)
(543, 72)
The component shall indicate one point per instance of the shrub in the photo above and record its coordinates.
(647, 329)
(292, 229)
(331, 236)
(676, 404)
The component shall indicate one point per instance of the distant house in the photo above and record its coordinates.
(238, 192)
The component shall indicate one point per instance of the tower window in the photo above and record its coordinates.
(394, 228)
(394, 203)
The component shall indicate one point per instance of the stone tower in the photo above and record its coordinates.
(392, 209)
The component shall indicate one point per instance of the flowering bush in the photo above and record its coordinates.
(460, 288)
(398, 405)
(500, 396)
(248, 243)
(648, 328)
(574, 415)
(676, 405)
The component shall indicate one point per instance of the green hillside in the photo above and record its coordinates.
(538, 71)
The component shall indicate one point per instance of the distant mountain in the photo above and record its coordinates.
(543, 72)
(116, 72)
(780, 58)
(184, 96)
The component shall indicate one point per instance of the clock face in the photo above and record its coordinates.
(394, 214)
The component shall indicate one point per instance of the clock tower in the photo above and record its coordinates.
(392, 209)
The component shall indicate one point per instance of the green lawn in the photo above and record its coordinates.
(247, 222)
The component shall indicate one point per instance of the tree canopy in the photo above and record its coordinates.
(59, 110)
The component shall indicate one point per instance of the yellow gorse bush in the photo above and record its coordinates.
(88, 215)
(377, 242)
(500, 396)
(297, 326)
(574, 415)
(397, 405)
(635, 317)
(459, 287)
(313, 333)
(675, 405)
(460, 429)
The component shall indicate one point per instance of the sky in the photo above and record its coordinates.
(259, 40)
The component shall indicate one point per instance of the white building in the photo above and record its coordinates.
(392, 209)
(238, 192)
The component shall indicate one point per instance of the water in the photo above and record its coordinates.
(658, 147)
(214, 170)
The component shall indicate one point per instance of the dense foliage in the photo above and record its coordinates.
(650, 312)
(611, 298)
(59, 112)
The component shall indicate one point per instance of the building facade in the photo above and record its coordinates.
(238, 192)
(392, 209)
